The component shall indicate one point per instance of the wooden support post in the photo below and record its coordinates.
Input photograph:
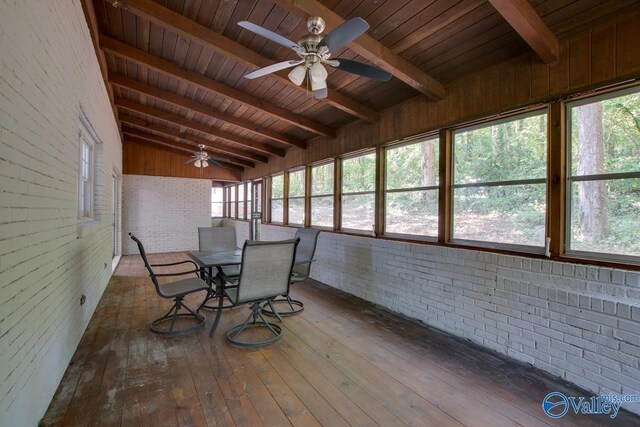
(337, 194)
(379, 209)
(445, 190)
(556, 178)
(285, 199)
(307, 196)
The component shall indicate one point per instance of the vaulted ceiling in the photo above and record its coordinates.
(176, 66)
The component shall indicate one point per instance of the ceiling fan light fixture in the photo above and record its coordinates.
(318, 76)
(297, 75)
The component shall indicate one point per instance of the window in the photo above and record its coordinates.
(322, 195)
(358, 192)
(216, 201)
(499, 182)
(85, 178)
(250, 207)
(242, 212)
(257, 194)
(277, 198)
(603, 190)
(296, 197)
(232, 201)
(411, 189)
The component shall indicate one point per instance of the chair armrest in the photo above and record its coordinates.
(227, 279)
(179, 274)
(175, 263)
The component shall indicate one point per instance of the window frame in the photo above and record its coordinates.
(570, 178)
(514, 247)
(271, 198)
(320, 196)
(221, 202)
(417, 139)
(342, 193)
(86, 185)
(241, 204)
(289, 198)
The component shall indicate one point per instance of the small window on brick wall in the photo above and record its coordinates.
(85, 177)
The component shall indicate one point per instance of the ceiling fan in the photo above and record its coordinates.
(315, 50)
(201, 159)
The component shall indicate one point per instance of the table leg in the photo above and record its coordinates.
(220, 293)
(211, 293)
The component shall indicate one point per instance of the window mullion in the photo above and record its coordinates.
(445, 181)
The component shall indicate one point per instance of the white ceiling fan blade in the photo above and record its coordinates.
(193, 159)
(268, 34)
(272, 69)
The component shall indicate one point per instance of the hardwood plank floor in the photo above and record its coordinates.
(342, 362)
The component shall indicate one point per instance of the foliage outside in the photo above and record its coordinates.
(605, 139)
(513, 150)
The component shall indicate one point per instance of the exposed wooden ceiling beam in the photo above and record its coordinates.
(435, 25)
(153, 62)
(130, 131)
(526, 21)
(206, 110)
(173, 134)
(132, 140)
(368, 47)
(202, 35)
(197, 126)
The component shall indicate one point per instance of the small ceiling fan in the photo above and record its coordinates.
(315, 50)
(201, 159)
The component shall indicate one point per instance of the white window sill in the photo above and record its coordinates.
(87, 228)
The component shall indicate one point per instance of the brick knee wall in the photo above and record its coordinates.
(578, 322)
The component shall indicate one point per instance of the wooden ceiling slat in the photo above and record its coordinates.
(172, 135)
(190, 29)
(197, 107)
(526, 21)
(257, 146)
(190, 124)
(169, 69)
(139, 137)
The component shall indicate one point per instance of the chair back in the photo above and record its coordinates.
(305, 251)
(217, 239)
(143, 254)
(266, 269)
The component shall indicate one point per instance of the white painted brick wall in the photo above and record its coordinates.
(578, 322)
(164, 213)
(48, 70)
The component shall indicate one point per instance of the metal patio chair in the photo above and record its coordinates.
(219, 239)
(264, 274)
(301, 270)
(176, 291)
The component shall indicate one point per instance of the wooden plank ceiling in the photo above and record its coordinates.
(176, 66)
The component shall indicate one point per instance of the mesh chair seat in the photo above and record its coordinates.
(182, 287)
